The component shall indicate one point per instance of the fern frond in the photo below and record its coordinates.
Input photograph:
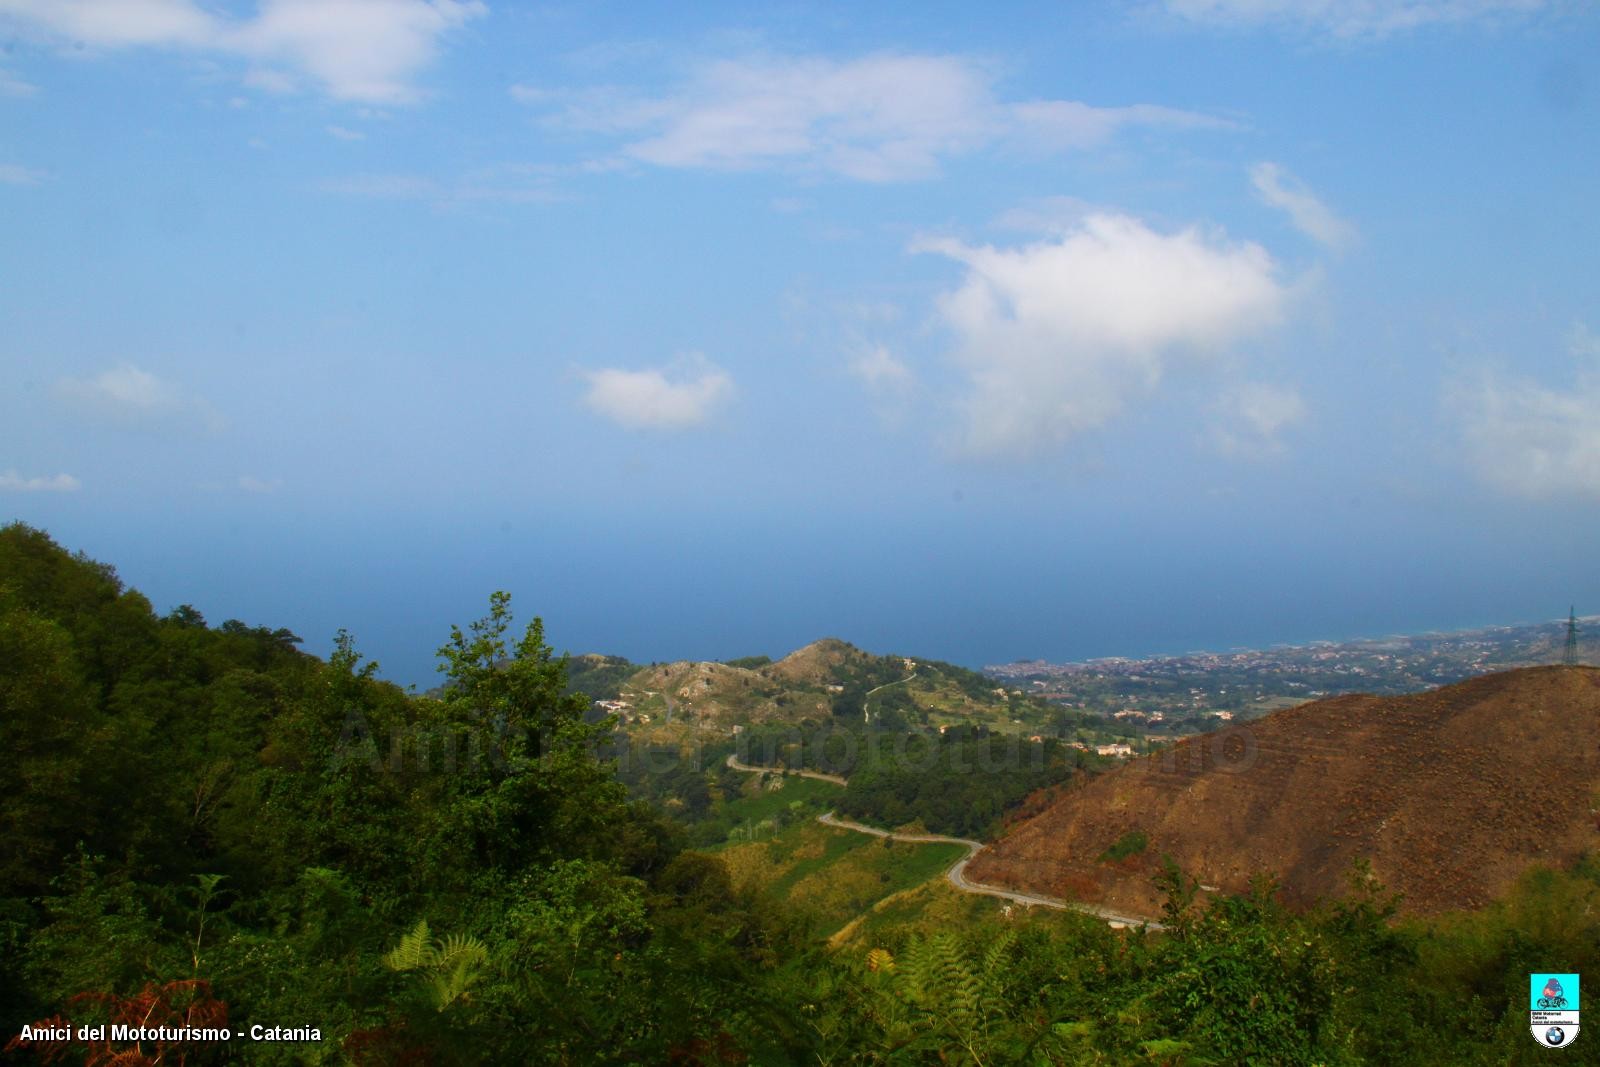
(415, 950)
(995, 957)
(457, 949)
(960, 987)
(995, 967)
(919, 964)
(453, 964)
(448, 986)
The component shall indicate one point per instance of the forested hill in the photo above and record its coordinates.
(183, 803)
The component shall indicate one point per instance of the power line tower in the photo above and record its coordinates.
(1570, 655)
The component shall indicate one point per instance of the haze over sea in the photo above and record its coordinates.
(1120, 329)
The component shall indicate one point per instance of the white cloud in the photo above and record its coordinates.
(358, 49)
(883, 117)
(125, 387)
(1282, 190)
(1350, 18)
(116, 23)
(367, 50)
(11, 481)
(880, 369)
(11, 85)
(672, 398)
(1068, 124)
(1056, 337)
(1529, 440)
(131, 398)
(16, 174)
(343, 134)
(1250, 418)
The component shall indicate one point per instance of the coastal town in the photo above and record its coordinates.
(1160, 697)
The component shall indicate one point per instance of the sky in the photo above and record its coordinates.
(1050, 330)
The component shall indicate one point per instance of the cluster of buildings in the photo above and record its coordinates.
(622, 709)
(1116, 749)
(1403, 663)
(1142, 716)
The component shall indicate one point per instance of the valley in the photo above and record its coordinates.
(802, 859)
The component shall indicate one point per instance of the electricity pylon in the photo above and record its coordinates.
(1570, 655)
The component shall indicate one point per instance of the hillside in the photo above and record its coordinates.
(825, 678)
(821, 662)
(1449, 794)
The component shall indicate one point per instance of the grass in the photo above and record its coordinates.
(925, 862)
(652, 704)
(817, 796)
(836, 844)
(1129, 844)
(833, 876)
(758, 813)
(935, 905)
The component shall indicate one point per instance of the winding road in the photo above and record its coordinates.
(957, 874)
(836, 779)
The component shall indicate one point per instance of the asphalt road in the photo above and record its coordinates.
(836, 779)
(957, 874)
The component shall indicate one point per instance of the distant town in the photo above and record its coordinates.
(1163, 696)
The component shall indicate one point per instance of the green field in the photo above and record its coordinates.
(834, 876)
(935, 905)
(757, 811)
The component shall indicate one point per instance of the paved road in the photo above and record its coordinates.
(836, 779)
(957, 874)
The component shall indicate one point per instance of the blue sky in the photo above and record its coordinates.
(1064, 330)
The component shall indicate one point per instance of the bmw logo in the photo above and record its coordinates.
(1554, 1036)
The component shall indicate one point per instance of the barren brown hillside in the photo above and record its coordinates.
(717, 695)
(815, 663)
(1450, 794)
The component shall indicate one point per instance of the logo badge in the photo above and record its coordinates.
(1553, 1009)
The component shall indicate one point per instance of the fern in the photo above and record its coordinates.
(941, 981)
(460, 961)
(919, 966)
(453, 964)
(414, 952)
(996, 965)
(457, 950)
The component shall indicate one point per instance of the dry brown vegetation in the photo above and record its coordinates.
(1449, 794)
